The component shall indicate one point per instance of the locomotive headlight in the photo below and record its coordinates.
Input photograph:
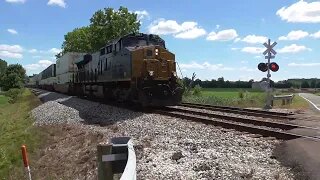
(174, 74)
(151, 73)
(157, 52)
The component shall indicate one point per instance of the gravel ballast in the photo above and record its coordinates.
(170, 148)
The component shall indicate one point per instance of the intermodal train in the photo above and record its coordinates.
(137, 68)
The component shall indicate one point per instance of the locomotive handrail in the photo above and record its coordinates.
(115, 158)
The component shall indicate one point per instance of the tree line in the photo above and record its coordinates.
(11, 76)
(221, 83)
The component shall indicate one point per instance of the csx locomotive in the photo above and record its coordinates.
(136, 67)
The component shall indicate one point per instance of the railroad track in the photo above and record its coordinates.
(242, 111)
(251, 125)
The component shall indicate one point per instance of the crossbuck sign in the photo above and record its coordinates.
(270, 49)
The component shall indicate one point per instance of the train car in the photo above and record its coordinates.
(48, 78)
(65, 69)
(136, 67)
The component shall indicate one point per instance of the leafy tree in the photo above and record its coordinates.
(11, 81)
(3, 66)
(220, 82)
(108, 24)
(16, 69)
(105, 25)
(305, 84)
(78, 40)
(313, 83)
(13, 77)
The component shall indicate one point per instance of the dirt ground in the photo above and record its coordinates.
(70, 153)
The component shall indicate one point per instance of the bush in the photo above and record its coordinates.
(197, 90)
(13, 94)
(241, 94)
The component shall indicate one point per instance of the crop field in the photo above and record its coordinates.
(238, 97)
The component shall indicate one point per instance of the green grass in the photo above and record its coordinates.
(3, 100)
(240, 98)
(16, 129)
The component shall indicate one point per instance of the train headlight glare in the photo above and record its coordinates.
(174, 73)
(151, 73)
(156, 52)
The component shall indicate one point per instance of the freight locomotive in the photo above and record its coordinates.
(137, 67)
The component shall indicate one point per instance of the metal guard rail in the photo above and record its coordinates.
(115, 158)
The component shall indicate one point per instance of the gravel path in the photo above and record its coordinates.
(170, 148)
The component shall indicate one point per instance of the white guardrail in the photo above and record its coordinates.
(286, 99)
(117, 157)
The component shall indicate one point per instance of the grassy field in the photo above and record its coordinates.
(16, 129)
(3, 100)
(239, 98)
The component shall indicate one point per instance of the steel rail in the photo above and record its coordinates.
(271, 124)
(239, 127)
(240, 111)
(246, 110)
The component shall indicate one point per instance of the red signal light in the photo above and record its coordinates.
(274, 67)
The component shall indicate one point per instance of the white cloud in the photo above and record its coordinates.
(217, 26)
(142, 14)
(12, 31)
(301, 11)
(253, 50)
(191, 33)
(39, 66)
(33, 51)
(60, 3)
(247, 69)
(186, 30)
(293, 48)
(11, 51)
(54, 50)
(316, 34)
(16, 1)
(213, 67)
(234, 49)
(294, 35)
(11, 48)
(257, 57)
(224, 35)
(237, 39)
(303, 64)
(8, 54)
(253, 39)
(205, 65)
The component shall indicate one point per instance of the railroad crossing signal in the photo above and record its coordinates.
(266, 67)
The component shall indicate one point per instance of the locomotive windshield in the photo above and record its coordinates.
(142, 40)
(134, 41)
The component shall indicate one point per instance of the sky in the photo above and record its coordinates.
(222, 38)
